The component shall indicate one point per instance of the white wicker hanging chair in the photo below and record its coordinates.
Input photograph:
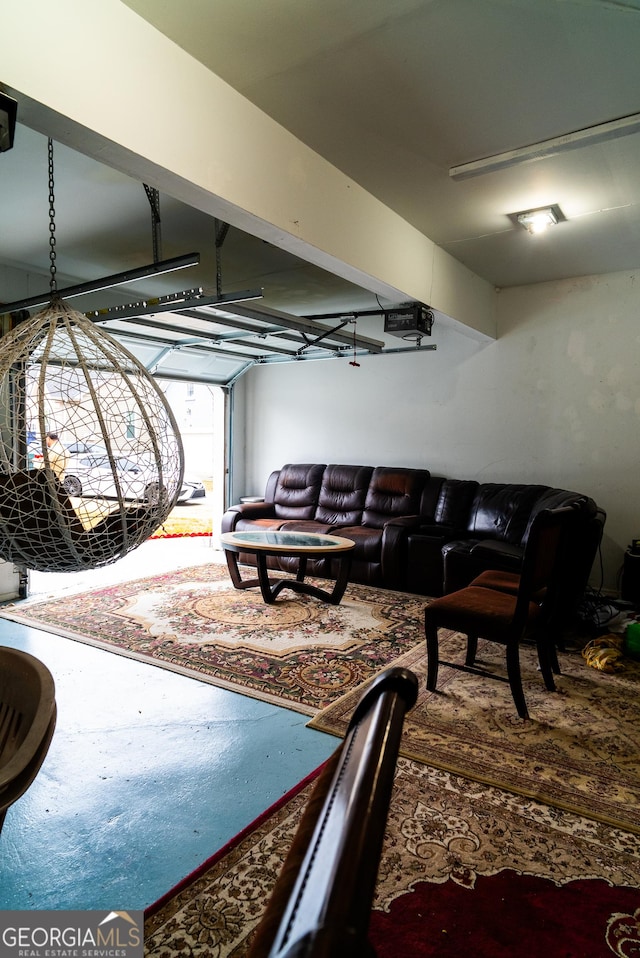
(123, 468)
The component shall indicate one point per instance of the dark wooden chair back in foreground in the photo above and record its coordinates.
(504, 617)
(27, 721)
(321, 903)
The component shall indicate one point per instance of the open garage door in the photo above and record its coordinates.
(200, 413)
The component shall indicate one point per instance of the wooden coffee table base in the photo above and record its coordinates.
(271, 590)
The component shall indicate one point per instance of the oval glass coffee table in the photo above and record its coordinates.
(304, 545)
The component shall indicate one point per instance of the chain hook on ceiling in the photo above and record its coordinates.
(354, 362)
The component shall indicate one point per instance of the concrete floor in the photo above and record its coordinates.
(149, 772)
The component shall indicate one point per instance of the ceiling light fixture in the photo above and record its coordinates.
(538, 220)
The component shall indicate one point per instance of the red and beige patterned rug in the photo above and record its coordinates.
(579, 751)
(466, 870)
(299, 652)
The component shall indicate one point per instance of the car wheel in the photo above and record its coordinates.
(72, 486)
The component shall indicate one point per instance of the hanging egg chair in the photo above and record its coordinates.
(91, 460)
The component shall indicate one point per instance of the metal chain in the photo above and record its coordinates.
(52, 225)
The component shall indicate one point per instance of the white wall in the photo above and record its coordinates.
(556, 399)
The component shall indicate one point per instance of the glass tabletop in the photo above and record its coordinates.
(298, 540)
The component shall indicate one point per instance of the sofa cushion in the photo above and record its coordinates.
(429, 498)
(261, 524)
(296, 490)
(502, 510)
(454, 502)
(342, 495)
(306, 525)
(367, 541)
(393, 492)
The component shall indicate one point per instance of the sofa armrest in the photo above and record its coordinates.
(393, 548)
(407, 523)
(506, 555)
(247, 510)
(439, 531)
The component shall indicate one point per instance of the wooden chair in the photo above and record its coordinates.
(505, 617)
(321, 903)
(27, 722)
(509, 582)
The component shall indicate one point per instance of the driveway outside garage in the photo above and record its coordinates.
(194, 517)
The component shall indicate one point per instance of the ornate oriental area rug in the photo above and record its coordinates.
(299, 652)
(466, 870)
(579, 751)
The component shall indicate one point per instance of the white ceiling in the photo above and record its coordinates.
(394, 93)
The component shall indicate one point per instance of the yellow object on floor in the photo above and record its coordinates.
(604, 653)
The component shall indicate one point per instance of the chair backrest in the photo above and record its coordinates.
(321, 903)
(557, 498)
(542, 555)
(27, 721)
(579, 549)
(501, 510)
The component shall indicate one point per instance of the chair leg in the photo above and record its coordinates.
(546, 656)
(515, 679)
(431, 633)
(554, 643)
(472, 649)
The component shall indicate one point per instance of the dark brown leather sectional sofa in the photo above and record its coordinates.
(416, 532)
